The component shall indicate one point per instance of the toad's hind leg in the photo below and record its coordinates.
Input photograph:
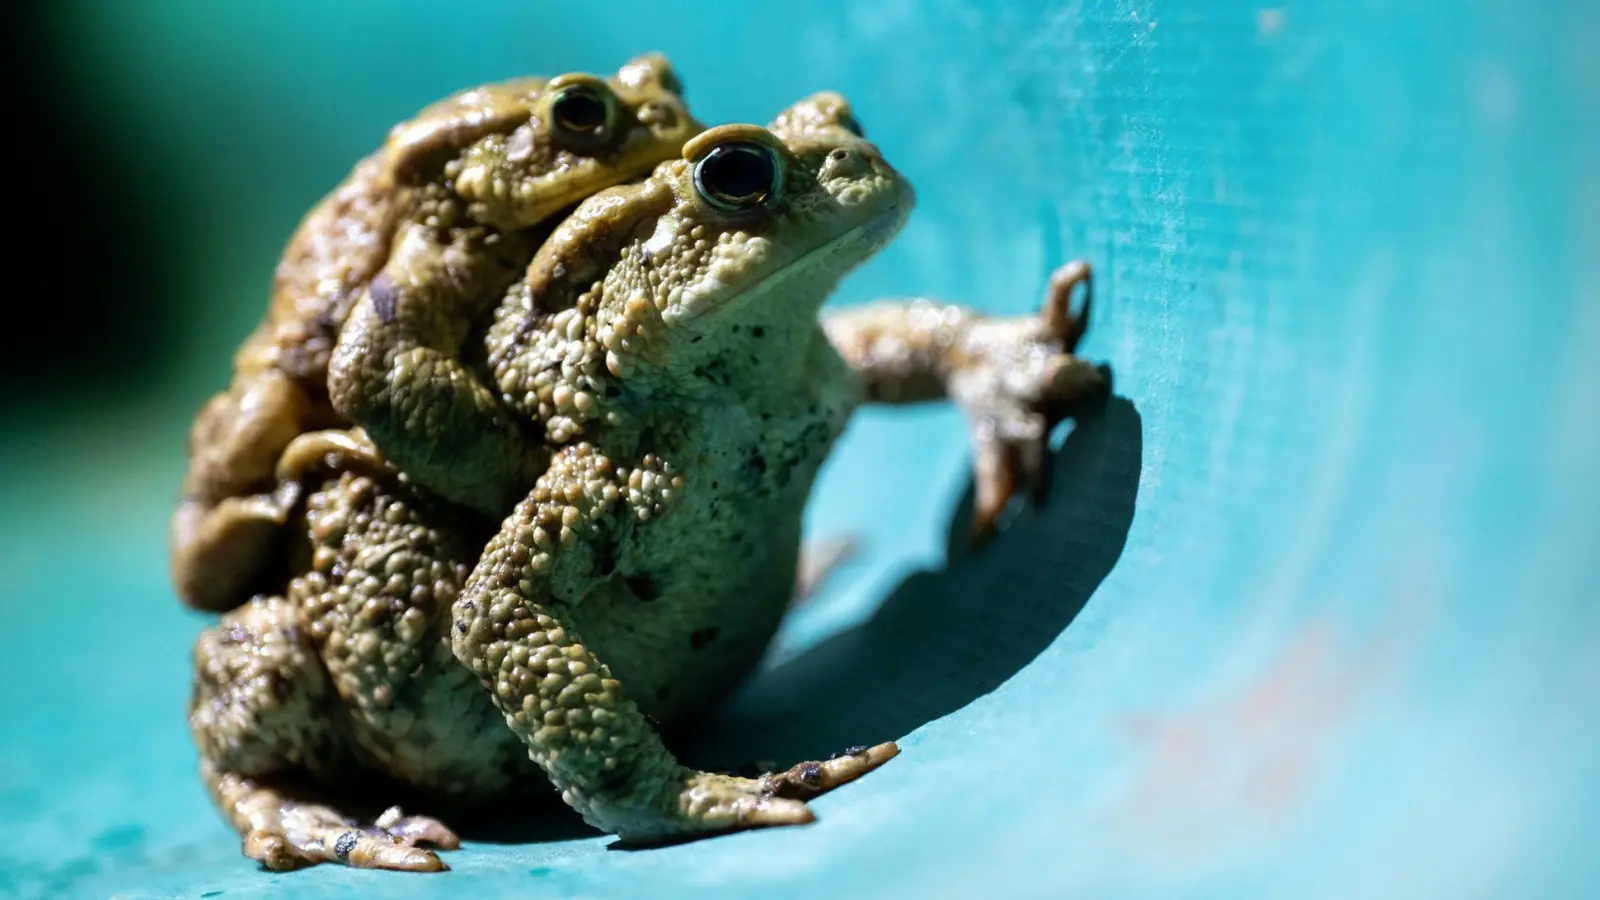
(259, 719)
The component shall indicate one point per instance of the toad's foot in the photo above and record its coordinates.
(282, 833)
(1018, 381)
(1014, 378)
(728, 803)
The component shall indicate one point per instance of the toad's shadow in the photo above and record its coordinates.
(946, 637)
(940, 640)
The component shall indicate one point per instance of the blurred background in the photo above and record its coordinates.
(1315, 611)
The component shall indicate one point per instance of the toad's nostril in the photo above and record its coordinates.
(839, 155)
(657, 114)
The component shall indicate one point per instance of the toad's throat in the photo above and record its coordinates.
(866, 238)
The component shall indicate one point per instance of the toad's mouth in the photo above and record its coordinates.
(865, 239)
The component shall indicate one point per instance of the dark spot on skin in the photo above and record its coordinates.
(384, 294)
(715, 371)
(756, 463)
(605, 558)
(697, 339)
(758, 331)
(811, 775)
(613, 391)
(468, 606)
(326, 324)
(281, 687)
(643, 586)
(461, 626)
(701, 638)
(346, 843)
(857, 750)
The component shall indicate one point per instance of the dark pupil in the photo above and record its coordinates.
(580, 111)
(738, 172)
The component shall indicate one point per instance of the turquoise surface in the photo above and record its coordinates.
(1315, 611)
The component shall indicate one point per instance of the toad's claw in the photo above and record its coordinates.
(777, 812)
(388, 844)
(806, 780)
(282, 832)
(276, 852)
(1056, 313)
(417, 829)
(712, 804)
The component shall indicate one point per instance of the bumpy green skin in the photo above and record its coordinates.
(435, 224)
(398, 370)
(688, 394)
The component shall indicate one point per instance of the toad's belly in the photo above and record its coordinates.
(686, 616)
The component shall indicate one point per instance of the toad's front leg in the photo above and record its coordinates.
(397, 370)
(1014, 378)
(513, 627)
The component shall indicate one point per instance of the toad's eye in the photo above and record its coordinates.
(737, 176)
(849, 123)
(581, 111)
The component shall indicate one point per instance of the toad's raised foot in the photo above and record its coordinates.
(306, 835)
(1023, 383)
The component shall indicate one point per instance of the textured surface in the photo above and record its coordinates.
(1313, 614)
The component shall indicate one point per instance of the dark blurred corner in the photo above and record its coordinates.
(91, 310)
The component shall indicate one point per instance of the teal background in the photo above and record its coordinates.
(1313, 613)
